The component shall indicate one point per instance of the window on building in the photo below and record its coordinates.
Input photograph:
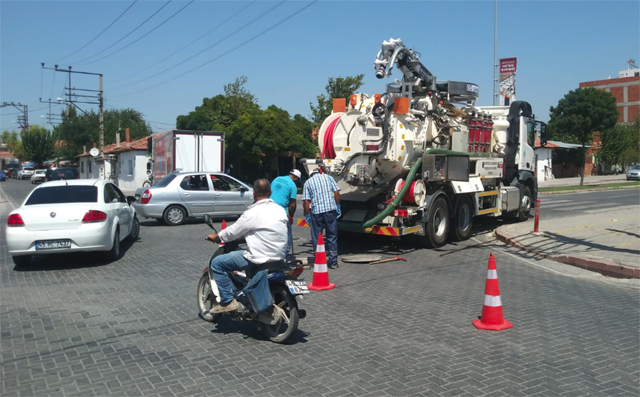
(82, 166)
(130, 167)
(89, 166)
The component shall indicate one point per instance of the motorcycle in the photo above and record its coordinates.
(280, 321)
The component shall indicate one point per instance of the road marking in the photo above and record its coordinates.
(634, 241)
(622, 282)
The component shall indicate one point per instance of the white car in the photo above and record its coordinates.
(25, 173)
(71, 216)
(38, 176)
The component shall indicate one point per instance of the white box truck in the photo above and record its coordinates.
(188, 151)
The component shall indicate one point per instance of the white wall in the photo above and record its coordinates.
(90, 169)
(131, 177)
(544, 165)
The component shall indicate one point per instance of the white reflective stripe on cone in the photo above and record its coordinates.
(493, 301)
(320, 248)
(492, 274)
(320, 268)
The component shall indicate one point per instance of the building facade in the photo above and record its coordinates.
(125, 164)
(626, 89)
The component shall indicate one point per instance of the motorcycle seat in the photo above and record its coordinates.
(271, 266)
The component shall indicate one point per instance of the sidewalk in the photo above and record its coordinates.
(588, 180)
(608, 243)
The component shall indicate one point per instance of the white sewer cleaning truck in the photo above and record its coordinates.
(422, 159)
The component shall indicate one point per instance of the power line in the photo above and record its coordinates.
(143, 36)
(128, 34)
(231, 50)
(188, 45)
(263, 14)
(99, 34)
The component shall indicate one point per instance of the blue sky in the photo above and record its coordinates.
(288, 59)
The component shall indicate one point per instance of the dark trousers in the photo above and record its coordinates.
(328, 220)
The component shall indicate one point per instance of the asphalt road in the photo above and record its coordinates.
(76, 325)
(576, 203)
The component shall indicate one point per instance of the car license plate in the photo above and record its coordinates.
(52, 244)
(297, 287)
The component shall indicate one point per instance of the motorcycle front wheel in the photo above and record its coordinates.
(286, 310)
(206, 299)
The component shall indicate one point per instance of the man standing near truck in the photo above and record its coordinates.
(284, 192)
(321, 202)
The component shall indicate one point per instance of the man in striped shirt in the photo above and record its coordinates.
(321, 203)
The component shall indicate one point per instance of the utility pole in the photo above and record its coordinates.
(51, 119)
(496, 102)
(23, 121)
(100, 103)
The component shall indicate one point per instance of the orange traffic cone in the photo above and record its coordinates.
(224, 226)
(320, 273)
(492, 318)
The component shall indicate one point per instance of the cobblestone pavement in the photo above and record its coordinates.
(73, 326)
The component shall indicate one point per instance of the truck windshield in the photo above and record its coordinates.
(166, 180)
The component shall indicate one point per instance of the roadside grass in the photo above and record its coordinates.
(590, 187)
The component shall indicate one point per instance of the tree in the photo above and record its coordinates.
(38, 144)
(252, 135)
(579, 114)
(218, 112)
(336, 88)
(632, 154)
(262, 134)
(80, 131)
(614, 143)
(13, 144)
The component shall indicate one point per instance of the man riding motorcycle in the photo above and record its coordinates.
(264, 227)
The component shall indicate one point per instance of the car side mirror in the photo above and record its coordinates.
(130, 199)
(244, 189)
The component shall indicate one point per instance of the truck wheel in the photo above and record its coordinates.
(525, 205)
(174, 215)
(437, 227)
(463, 219)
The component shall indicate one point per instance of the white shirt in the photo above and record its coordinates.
(264, 226)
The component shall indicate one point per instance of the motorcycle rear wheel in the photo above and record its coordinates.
(289, 317)
(206, 299)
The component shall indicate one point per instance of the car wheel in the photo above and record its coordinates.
(22, 260)
(114, 253)
(174, 215)
(135, 229)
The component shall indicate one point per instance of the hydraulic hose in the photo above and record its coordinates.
(414, 169)
(394, 204)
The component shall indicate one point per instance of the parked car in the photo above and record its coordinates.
(38, 176)
(71, 216)
(25, 173)
(193, 194)
(634, 173)
(59, 173)
(3, 176)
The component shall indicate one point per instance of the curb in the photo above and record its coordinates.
(604, 268)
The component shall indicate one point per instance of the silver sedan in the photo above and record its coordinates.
(193, 194)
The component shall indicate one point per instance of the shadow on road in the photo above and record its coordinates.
(68, 261)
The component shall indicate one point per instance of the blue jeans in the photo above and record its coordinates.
(329, 220)
(221, 265)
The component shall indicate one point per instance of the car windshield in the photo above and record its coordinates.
(40, 172)
(63, 194)
(636, 167)
(166, 180)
